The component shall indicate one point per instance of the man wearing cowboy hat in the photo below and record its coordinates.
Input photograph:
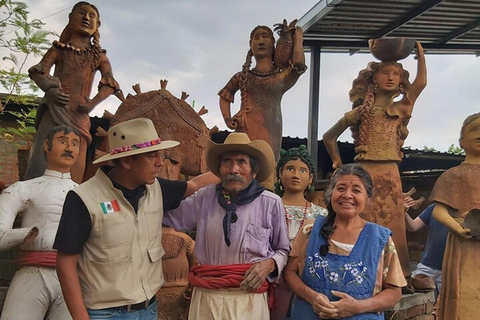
(241, 243)
(109, 237)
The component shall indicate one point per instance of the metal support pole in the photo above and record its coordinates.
(313, 109)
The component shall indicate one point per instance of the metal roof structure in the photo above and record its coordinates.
(442, 26)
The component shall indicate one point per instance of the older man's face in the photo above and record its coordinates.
(236, 171)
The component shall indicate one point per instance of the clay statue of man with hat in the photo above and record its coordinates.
(109, 238)
(242, 243)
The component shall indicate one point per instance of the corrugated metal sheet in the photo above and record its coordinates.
(448, 26)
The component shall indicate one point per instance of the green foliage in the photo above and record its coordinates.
(25, 129)
(21, 38)
(456, 149)
(428, 149)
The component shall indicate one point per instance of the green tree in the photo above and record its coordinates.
(20, 39)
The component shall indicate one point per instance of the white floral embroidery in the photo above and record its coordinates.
(359, 279)
(333, 276)
(319, 267)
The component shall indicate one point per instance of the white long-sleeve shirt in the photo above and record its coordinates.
(40, 202)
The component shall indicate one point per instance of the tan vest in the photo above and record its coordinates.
(121, 260)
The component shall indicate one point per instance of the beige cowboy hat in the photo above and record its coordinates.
(133, 137)
(238, 141)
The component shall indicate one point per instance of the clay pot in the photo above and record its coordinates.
(472, 221)
(391, 49)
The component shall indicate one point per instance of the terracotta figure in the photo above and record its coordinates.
(262, 87)
(295, 172)
(76, 56)
(35, 291)
(174, 295)
(456, 193)
(379, 128)
(174, 119)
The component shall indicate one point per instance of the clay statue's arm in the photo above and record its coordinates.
(108, 85)
(421, 79)
(70, 283)
(330, 141)
(226, 113)
(227, 95)
(40, 74)
(298, 59)
(200, 181)
(440, 213)
(12, 202)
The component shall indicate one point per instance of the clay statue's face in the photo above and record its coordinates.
(470, 140)
(295, 176)
(262, 44)
(349, 196)
(388, 78)
(84, 20)
(235, 171)
(64, 152)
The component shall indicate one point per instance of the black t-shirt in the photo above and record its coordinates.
(75, 223)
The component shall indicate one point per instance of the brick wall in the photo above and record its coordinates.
(8, 163)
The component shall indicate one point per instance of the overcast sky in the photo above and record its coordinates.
(199, 45)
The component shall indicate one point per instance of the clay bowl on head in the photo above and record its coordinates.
(391, 49)
(472, 222)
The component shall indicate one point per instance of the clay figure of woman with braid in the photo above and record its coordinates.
(379, 128)
(77, 56)
(295, 173)
(262, 87)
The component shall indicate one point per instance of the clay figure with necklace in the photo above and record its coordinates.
(295, 172)
(262, 87)
(77, 56)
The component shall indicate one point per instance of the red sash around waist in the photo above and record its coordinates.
(37, 259)
(226, 276)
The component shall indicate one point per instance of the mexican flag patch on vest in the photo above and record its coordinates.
(110, 206)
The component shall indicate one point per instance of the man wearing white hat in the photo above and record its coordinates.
(241, 243)
(109, 237)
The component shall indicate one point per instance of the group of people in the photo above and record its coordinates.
(109, 249)
(103, 236)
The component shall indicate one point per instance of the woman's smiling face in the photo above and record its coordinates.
(349, 196)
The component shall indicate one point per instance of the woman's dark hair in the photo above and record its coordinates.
(351, 169)
(292, 154)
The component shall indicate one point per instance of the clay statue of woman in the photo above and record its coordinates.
(262, 87)
(456, 195)
(295, 172)
(77, 56)
(379, 128)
